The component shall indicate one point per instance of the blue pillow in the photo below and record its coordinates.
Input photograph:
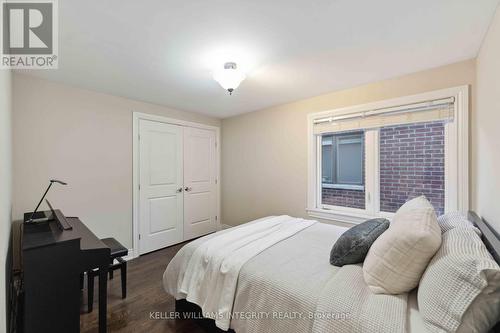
(353, 245)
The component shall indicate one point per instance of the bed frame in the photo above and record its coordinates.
(190, 310)
(490, 238)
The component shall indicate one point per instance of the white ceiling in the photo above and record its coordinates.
(163, 51)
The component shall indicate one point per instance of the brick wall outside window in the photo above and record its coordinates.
(412, 164)
(344, 198)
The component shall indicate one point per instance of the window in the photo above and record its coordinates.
(367, 161)
(343, 160)
(342, 169)
(412, 163)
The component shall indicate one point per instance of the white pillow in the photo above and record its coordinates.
(452, 220)
(460, 289)
(398, 258)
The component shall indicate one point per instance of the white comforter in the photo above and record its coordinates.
(210, 277)
(293, 277)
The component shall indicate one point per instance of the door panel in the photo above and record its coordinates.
(161, 177)
(200, 201)
(162, 152)
(203, 203)
(199, 149)
(159, 209)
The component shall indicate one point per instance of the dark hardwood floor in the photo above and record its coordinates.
(145, 294)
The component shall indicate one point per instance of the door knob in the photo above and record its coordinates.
(179, 190)
(187, 189)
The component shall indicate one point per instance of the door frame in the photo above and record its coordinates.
(137, 116)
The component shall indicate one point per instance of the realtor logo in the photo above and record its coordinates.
(29, 34)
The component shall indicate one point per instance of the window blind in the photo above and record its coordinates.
(435, 110)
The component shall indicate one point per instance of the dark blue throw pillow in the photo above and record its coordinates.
(353, 245)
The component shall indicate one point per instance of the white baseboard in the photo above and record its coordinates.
(131, 255)
(225, 226)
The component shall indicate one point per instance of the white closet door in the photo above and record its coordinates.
(161, 181)
(200, 200)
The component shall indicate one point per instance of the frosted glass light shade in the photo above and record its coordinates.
(229, 77)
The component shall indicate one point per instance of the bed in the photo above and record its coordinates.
(286, 289)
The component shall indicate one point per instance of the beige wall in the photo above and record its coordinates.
(84, 138)
(5, 182)
(486, 128)
(264, 153)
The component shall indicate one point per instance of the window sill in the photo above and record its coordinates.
(344, 217)
(352, 218)
(343, 186)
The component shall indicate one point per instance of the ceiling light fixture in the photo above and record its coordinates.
(229, 77)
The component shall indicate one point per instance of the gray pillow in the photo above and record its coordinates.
(353, 245)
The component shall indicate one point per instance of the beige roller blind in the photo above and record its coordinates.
(405, 114)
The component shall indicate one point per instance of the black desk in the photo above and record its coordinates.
(52, 260)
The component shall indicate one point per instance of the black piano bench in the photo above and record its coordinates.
(118, 251)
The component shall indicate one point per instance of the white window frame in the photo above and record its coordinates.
(456, 154)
